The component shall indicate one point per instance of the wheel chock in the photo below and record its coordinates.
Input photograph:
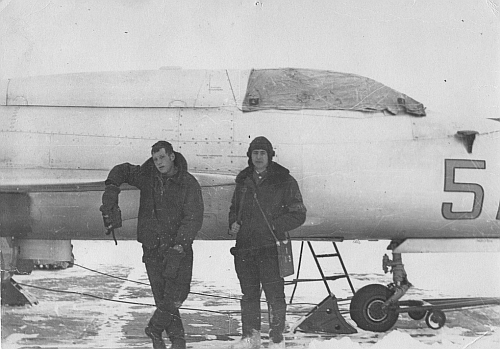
(14, 294)
(324, 317)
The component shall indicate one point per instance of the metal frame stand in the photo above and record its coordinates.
(324, 317)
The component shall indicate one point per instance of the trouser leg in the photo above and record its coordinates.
(274, 288)
(248, 275)
(250, 316)
(169, 294)
(277, 321)
(175, 329)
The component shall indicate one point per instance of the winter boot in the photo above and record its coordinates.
(273, 345)
(277, 321)
(160, 320)
(175, 332)
(276, 339)
(158, 342)
(178, 343)
(248, 342)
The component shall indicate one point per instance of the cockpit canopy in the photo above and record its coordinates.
(295, 89)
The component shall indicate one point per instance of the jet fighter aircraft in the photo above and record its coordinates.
(372, 163)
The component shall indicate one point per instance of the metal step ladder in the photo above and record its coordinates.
(326, 316)
(324, 278)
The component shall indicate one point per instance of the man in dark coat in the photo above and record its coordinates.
(263, 188)
(170, 216)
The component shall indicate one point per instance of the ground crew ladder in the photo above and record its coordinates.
(324, 278)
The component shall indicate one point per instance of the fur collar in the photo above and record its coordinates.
(275, 173)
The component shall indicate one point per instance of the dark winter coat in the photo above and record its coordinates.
(280, 198)
(171, 208)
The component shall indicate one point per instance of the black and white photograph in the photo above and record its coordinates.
(242, 174)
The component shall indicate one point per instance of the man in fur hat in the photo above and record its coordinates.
(266, 204)
(170, 216)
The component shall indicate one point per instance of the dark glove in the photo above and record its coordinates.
(112, 217)
(171, 262)
(111, 213)
(110, 195)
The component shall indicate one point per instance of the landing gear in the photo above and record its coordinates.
(368, 309)
(375, 307)
(435, 319)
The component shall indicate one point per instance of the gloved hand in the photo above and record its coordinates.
(172, 258)
(112, 217)
(111, 213)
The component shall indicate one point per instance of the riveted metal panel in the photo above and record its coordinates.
(214, 156)
(83, 138)
(206, 124)
(206, 139)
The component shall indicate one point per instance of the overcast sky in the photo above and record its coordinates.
(444, 54)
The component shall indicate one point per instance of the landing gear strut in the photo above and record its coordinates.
(375, 307)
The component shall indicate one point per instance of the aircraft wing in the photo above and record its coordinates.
(49, 204)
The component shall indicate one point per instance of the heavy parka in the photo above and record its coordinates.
(171, 208)
(280, 199)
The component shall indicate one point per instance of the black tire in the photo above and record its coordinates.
(367, 312)
(435, 319)
(417, 314)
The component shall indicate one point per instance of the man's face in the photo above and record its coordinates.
(164, 162)
(260, 159)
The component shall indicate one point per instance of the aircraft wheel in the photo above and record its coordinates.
(417, 314)
(367, 309)
(435, 319)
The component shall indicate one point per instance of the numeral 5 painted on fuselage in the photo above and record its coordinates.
(451, 186)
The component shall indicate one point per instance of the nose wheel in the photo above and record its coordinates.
(435, 319)
(368, 310)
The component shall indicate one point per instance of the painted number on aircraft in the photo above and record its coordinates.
(451, 186)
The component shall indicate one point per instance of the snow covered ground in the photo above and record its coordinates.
(71, 320)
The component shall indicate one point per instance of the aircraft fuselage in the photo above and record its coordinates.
(363, 175)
